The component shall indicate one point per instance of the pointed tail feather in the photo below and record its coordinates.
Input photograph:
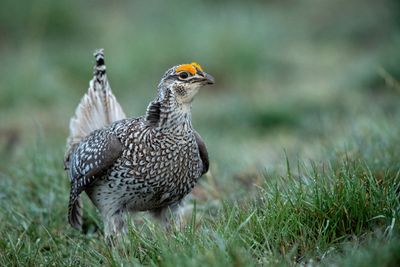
(75, 211)
(98, 108)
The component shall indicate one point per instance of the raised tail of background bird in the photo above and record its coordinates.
(97, 109)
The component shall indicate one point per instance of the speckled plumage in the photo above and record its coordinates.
(148, 163)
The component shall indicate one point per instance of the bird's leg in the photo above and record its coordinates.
(114, 226)
(170, 216)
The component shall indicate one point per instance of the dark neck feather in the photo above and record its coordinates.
(153, 113)
(165, 112)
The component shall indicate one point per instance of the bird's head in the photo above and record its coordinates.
(184, 81)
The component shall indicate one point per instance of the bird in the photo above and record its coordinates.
(127, 165)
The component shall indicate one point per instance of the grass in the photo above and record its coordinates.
(316, 212)
(301, 126)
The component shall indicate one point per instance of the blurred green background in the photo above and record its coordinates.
(290, 75)
(312, 83)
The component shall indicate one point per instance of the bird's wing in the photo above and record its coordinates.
(203, 152)
(92, 158)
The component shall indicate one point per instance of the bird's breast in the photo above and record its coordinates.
(159, 168)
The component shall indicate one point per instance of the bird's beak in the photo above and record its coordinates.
(208, 79)
(204, 78)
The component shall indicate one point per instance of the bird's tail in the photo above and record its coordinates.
(98, 108)
(75, 210)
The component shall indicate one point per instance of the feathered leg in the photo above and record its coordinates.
(114, 226)
(170, 216)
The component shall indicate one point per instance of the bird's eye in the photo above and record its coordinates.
(183, 75)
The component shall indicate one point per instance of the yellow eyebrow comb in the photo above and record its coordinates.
(191, 68)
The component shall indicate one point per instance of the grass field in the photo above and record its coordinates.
(302, 128)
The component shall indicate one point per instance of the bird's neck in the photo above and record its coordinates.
(169, 115)
(176, 118)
